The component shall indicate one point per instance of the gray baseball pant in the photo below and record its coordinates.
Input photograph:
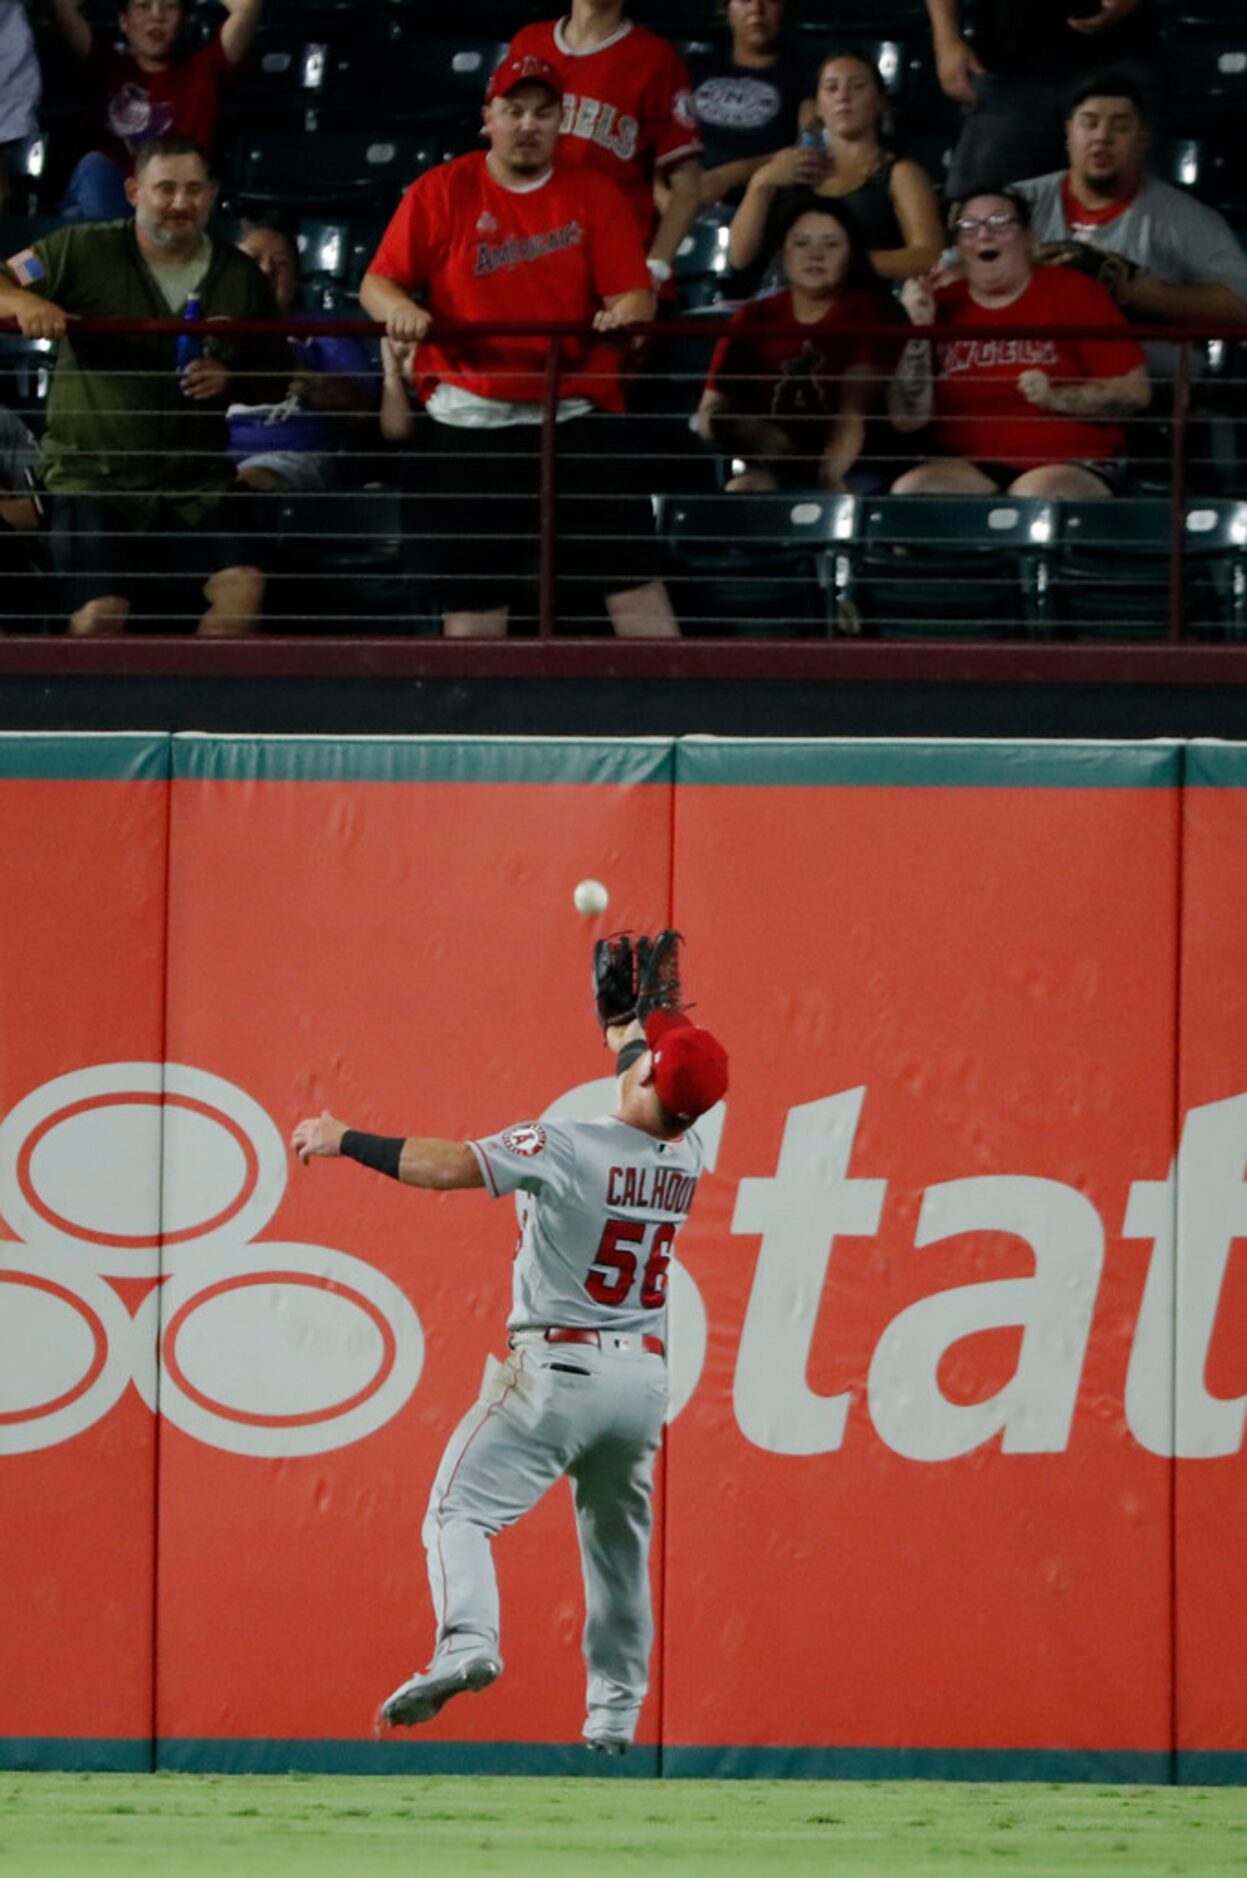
(552, 1409)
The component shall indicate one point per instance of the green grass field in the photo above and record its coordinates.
(206, 1826)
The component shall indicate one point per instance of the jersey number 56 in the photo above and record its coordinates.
(620, 1252)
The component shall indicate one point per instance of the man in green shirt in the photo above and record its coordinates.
(135, 456)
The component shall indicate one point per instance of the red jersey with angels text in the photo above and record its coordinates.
(980, 412)
(627, 106)
(480, 251)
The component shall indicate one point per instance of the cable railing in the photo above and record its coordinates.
(549, 521)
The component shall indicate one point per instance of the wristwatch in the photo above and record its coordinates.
(661, 270)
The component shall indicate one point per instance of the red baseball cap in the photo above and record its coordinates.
(690, 1065)
(527, 70)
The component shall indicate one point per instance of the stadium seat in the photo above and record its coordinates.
(1215, 550)
(36, 180)
(408, 77)
(1112, 568)
(747, 564)
(363, 171)
(339, 557)
(868, 18)
(324, 249)
(25, 372)
(281, 83)
(1205, 68)
(944, 567)
(702, 269)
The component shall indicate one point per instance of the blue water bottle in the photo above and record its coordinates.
(190, 345)
(816, 140)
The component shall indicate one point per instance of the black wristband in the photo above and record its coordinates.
(381, 1152)
(630, 1053)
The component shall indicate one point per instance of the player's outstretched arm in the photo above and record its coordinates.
(418, 1161)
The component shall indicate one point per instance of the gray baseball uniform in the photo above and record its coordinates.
(601, 1203)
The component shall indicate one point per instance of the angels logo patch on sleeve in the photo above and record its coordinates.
(528, 1138)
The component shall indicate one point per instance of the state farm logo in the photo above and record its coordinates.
(164, 1173)
(528, 1139)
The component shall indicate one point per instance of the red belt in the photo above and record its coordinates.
(654, 1345)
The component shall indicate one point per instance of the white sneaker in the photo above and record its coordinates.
(422, 1697)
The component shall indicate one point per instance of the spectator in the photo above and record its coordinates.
(1015, 78)
(146, 91)
(486, 237)
(1162, 254)
(796, 408)
(1049, 429)
(19, 460)
(746, 100)
(628, 112)
(294, 444)
(136, 458)
(21, 86)
(22, 581)
(889, 197)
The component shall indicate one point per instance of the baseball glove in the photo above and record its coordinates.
(658, 983)
(1112, 270)
(618, 963)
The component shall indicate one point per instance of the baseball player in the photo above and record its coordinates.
(584, 1390)
(627, 111)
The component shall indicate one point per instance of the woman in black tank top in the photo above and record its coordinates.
(890, 198)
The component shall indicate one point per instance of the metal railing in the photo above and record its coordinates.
(1166, 562)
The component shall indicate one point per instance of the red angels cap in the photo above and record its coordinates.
(523, 71)
(690, 1065)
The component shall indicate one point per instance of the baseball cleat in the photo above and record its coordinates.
(597, 1745)
(601, 1738)
(422, 1697)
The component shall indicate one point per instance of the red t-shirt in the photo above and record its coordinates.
(627, 106)
(484, 252)
(981, 414)
(131, 106)
(765, 372)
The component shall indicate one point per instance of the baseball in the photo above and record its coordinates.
(590, 897)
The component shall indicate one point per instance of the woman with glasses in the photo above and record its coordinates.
(1038, 415)
(890, 198)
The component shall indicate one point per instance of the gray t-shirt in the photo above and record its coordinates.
(601, 1205)
(1173, 234)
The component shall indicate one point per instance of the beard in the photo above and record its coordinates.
(172, 240)
(1104, 183)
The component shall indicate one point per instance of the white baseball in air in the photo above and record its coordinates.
(590, 897)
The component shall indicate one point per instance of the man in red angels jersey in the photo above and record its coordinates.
(1038, 416)
(510, 234)
(628, 111)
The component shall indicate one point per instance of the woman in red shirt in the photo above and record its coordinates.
(795, 405)
(1039, 416)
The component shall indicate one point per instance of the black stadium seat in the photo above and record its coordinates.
(1111, 570)
(944, 567)
(747, 564)
(410, 78)
(363, 171)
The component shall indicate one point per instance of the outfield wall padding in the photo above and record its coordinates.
(953, 1480)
